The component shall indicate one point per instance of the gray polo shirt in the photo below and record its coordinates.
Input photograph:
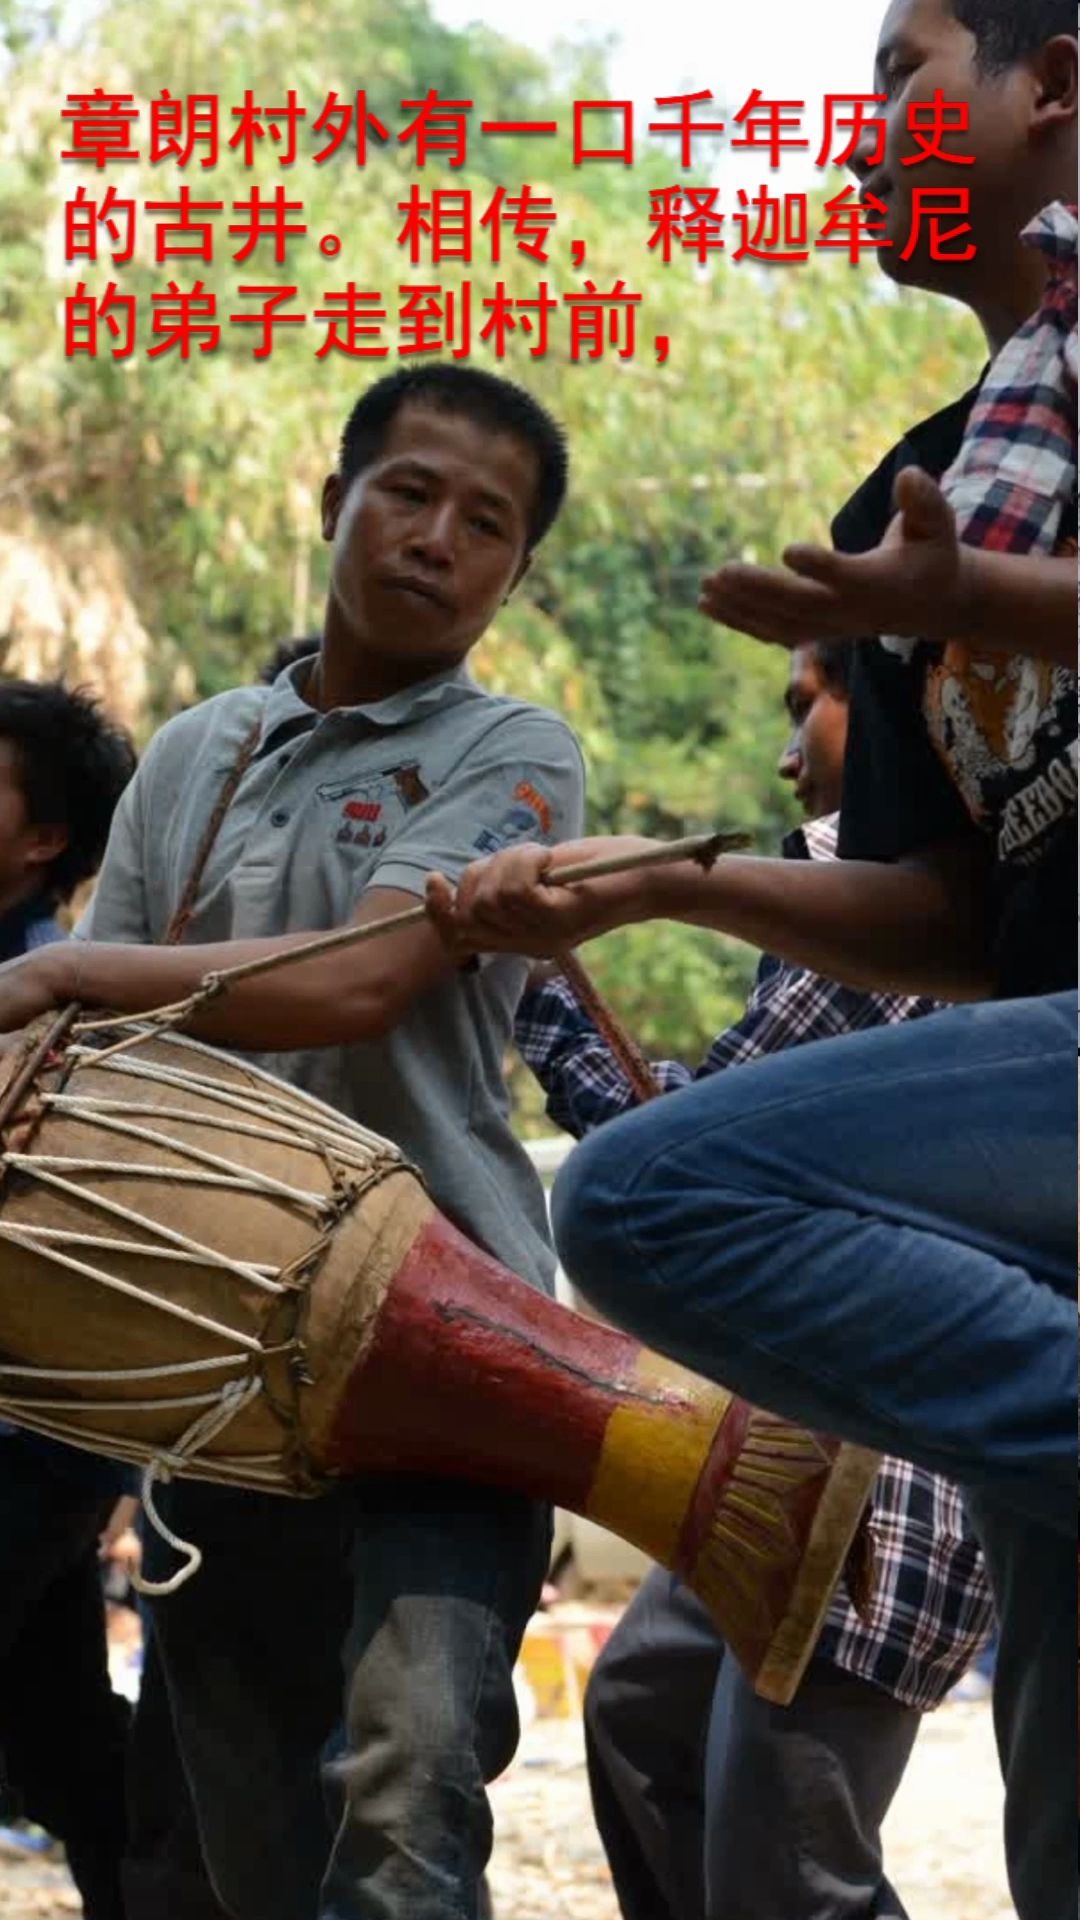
(333, 804)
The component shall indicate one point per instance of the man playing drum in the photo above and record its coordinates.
(358, 773)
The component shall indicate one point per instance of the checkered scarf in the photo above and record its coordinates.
(1015, 474)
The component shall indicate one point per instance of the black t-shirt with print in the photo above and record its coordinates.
(954, 743)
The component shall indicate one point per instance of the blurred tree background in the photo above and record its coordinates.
(169, 509)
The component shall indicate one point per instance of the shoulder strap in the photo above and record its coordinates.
(178, 925)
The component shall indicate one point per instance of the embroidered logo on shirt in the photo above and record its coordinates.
(528, 819)
(409, 784)
(373, 805)
(531, 797)
(406, 781)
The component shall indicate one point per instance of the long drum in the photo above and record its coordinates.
(204, 1268)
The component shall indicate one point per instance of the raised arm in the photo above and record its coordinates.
(922, 583)
(914, 927)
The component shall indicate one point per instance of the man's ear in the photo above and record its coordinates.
(333, 495)
(1055, 71)
(43, 845)
(519, 576)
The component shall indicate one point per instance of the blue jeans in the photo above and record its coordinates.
(877, 1235)
(422, 1591)
(445, 1580)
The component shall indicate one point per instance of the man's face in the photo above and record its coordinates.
(814, 756)
(431, 537)
(26, 852)
(922, 47)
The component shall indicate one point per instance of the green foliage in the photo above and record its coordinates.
(783, 386)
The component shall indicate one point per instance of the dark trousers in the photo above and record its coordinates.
(62, 1729)
(715, 1805)
(165, 1875)
(420, 1591)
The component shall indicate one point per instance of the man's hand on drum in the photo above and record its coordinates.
(506, 904)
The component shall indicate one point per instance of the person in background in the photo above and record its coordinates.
(63, 768)
(710, 1802)
(879, 1236)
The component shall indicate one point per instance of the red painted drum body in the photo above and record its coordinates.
(203, 1268)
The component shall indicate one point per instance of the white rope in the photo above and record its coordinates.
(192, 1555)
(93, 1375)
(324, 1122)
(269, 1090)
(234, 1470)
(269, 1113)
(134, 1169)
(220, 1469)
(162, 1305)
(86, 1107)
(209, 1255)
(248, 1177)
(162, 1404)
(154, 1025)
(232, 1180)
(66, 1236)
(231, 1401)
(303, 1134)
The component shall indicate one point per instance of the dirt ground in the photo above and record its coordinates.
(943, 1841)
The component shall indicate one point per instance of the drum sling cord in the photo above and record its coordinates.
(199, 1434)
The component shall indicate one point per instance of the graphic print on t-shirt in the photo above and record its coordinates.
(1005, 726)
(371, 808)
(527, 817)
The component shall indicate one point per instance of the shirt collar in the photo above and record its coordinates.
(814, 840)
(1054, 233)
(286, 709)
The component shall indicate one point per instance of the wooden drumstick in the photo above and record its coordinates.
(641, 1076)
(40, 1045)
(704, 849)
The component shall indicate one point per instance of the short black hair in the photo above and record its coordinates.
(286, 654)
(1008, 31)
(834, 660)
(73, 764)
(484, 398)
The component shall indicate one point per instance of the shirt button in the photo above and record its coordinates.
(279, 818)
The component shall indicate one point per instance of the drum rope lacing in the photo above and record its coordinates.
(356, 1160)
(232, 1400)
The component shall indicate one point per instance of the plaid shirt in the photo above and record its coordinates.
(1015, 474)
(932, 1609)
